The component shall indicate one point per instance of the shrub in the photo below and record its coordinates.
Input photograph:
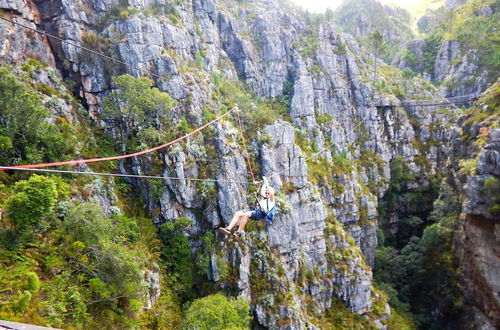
(135, 106)
(492, 188)
(106, 245)
(176, 253)
(217, 312)
(25, 134)
(33, 202)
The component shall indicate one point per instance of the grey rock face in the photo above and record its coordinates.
(23, 7)
(489, 157)
(459, 71)
(152, 285)
(485, 11)
(283, 155)
(19, 44)
(450, 4)
(478, 200)
(416, 48)
(427, 22)
(448, 52)
(231, 194)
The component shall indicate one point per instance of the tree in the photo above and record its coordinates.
(217, 312)
(407, 75)
(106, 245)
(33, 201)
(135, 106)
(377, 45)
(25, 134)
(176, 253)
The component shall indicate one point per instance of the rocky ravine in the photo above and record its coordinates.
(263, 45)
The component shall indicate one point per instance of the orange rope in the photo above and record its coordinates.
(245, 149)
(139, 153)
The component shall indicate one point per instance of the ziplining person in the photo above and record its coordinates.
(264, 209)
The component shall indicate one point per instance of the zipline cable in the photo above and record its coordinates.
(139, 153)
(473, 96)
(324, 148)
(139, 70)
(138, 176)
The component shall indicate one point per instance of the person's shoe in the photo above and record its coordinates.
(225, 231)
(239, 234)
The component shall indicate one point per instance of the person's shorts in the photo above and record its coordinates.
(256, 214)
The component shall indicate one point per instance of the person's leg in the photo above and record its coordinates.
(235, 220)
(244, 218)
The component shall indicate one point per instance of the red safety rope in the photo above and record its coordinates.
(95, 160)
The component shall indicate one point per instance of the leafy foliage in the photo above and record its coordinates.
(217, 312)
(87, 267)
(407, 201)
(26, 136)
(34, 201)
(135, 106)
(176, 254)
(423, 278)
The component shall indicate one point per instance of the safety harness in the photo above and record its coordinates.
(269, 213)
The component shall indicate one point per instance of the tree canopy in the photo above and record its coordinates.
(216, 312)
(135, 105)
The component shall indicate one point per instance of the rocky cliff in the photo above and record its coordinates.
(328, 154)
(480, 223)
(361, 18)
(454, 48)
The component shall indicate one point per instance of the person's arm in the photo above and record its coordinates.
(269, 188)
(265, 185)
(262, 191)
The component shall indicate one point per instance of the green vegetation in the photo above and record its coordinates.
(473, 31)
(26, 136)
(96, 42)
(407, 202)
(218, 313)
(485, 112)
(86, 268)
(255, 113)
(135, 108)
(400, 83)
(338, 316)
(176, 254)
(32, 200)
(425, 272)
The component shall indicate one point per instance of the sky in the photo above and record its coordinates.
(319, 6)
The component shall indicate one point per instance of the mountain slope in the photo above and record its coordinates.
(360, 18)
(461, 51)
(310, 123)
